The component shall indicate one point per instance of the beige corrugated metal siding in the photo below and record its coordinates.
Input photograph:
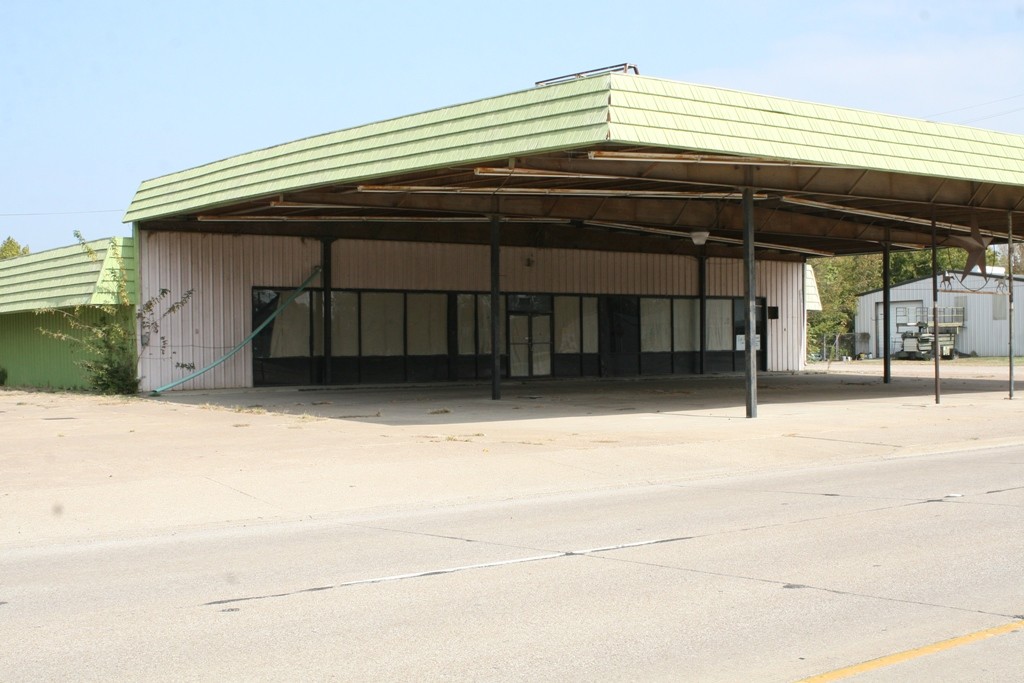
(725, 277)
(378, 264)
(781, 283)
(370, 264)
(222, 270)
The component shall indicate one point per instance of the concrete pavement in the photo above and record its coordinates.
(636, 530)
(768, 576)
(85, 467)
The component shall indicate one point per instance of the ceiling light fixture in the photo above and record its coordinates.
(722, 240)
(699, 237)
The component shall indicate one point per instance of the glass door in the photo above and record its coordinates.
(529, 344)
(540, 345)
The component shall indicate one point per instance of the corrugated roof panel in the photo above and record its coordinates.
(306, 177)
(526, 122)
(64, 277)
(845, 129)
(538, 97)
(813, 132)
(589, 111)
(105, 290)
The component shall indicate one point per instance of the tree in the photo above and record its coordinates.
(10, 248)
(913, 265)
(840, 280)
(1018, 257)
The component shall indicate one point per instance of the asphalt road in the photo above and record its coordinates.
(772, 576)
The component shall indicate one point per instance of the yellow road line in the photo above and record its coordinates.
(889, 660)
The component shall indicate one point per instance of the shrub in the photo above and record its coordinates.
(106, 332)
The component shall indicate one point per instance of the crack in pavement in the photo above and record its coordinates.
(856, 443)
(1014, 488)
(536, 558)
(791, 493)
(697, 536)
(602, 553)
(450, 570)
(789, 585)
(227, 486)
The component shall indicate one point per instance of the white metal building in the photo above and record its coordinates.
(601, 224)
(977, 307)
(413, 311)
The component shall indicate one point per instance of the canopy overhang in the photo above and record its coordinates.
(618, 162)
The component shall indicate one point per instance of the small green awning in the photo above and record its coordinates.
(65, 277)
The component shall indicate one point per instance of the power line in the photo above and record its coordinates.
(61, 213)
(974, 106)
(994, 116)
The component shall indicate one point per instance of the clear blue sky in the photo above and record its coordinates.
(96, 96)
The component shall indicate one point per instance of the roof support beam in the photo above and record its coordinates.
(664, 213)
(556, 235)
(868, 213)
(549, 192)
(697, 158)
(835, 181)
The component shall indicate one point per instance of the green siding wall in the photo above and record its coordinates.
(33, 359)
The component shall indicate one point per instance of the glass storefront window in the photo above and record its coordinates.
(589, 324)
(344, 323)
(719, 334)
(655, 325)
(686, 324)
(417, 324)
(483, 324)
(317, 299)
(567, 324)
(466, 312)
(290, 335)
(382, 323)
(427, 324)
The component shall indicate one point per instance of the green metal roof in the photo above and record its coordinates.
(609, 108)
(64, 277)
(646, 111)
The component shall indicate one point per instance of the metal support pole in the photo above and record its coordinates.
(702, 292)
(1009, 289)
(750, 283)
(886, 315)
(325, 281)
(495, 307)
(936, 347)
